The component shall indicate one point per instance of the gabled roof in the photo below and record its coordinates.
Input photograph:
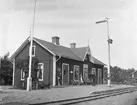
(71, 53)
(58, 49)
(96, 61)
(79, 51)
(19, 49)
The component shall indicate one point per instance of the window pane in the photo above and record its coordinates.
(40, 74)
(40, 71)
(94, 71)
(22, 74)
(33, 50)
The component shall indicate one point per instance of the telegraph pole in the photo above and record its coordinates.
(109, 42)
(29, 79)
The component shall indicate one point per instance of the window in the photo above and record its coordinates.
(40, 73)
(94, 71)
(33, 51)
(76, 72)
(22, 74)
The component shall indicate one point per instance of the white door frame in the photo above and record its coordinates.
(74, 72)
(63, 72)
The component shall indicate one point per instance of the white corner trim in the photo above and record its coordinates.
(13, 77)
(54, 70)
(44, 47)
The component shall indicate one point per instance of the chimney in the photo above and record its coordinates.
(72, 45)
(55, 40)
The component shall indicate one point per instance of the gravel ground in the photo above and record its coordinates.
(39, 96)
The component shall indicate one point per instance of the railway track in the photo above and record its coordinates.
(92, 96)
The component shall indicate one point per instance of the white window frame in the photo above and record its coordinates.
(63, 72)
(74, 72)
(22, 73)
(42, 72)
(94, 71)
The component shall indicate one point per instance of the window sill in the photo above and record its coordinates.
(40, 80)
(22, 79)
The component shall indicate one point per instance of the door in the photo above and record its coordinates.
(85, 72)
(65, 74)
(99, 76)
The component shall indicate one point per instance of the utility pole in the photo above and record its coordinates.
(109, 42)
(29, 79)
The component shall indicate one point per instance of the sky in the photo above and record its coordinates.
(74, 21)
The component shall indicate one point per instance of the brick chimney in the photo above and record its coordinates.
(55, 40)
(72, 45)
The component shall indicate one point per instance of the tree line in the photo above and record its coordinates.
(119, 75)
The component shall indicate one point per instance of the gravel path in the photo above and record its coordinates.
(124, 99)
(39, 96)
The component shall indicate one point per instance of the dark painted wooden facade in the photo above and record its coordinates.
(47, 58)
(44, 57)
(71, 64)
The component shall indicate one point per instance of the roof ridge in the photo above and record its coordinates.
(60, 45)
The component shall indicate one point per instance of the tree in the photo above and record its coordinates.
(118, 75)
(5, 70)
(24, 65)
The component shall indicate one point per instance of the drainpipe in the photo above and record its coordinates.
(49, 69)
(58, 58)
(56, 65)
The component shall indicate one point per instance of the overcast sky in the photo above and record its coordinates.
(74, 21)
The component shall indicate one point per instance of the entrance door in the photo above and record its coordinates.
(65, 74)
(85, 72)
(99, 76)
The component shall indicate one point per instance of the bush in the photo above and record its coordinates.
(73, 82)
(42, 85)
